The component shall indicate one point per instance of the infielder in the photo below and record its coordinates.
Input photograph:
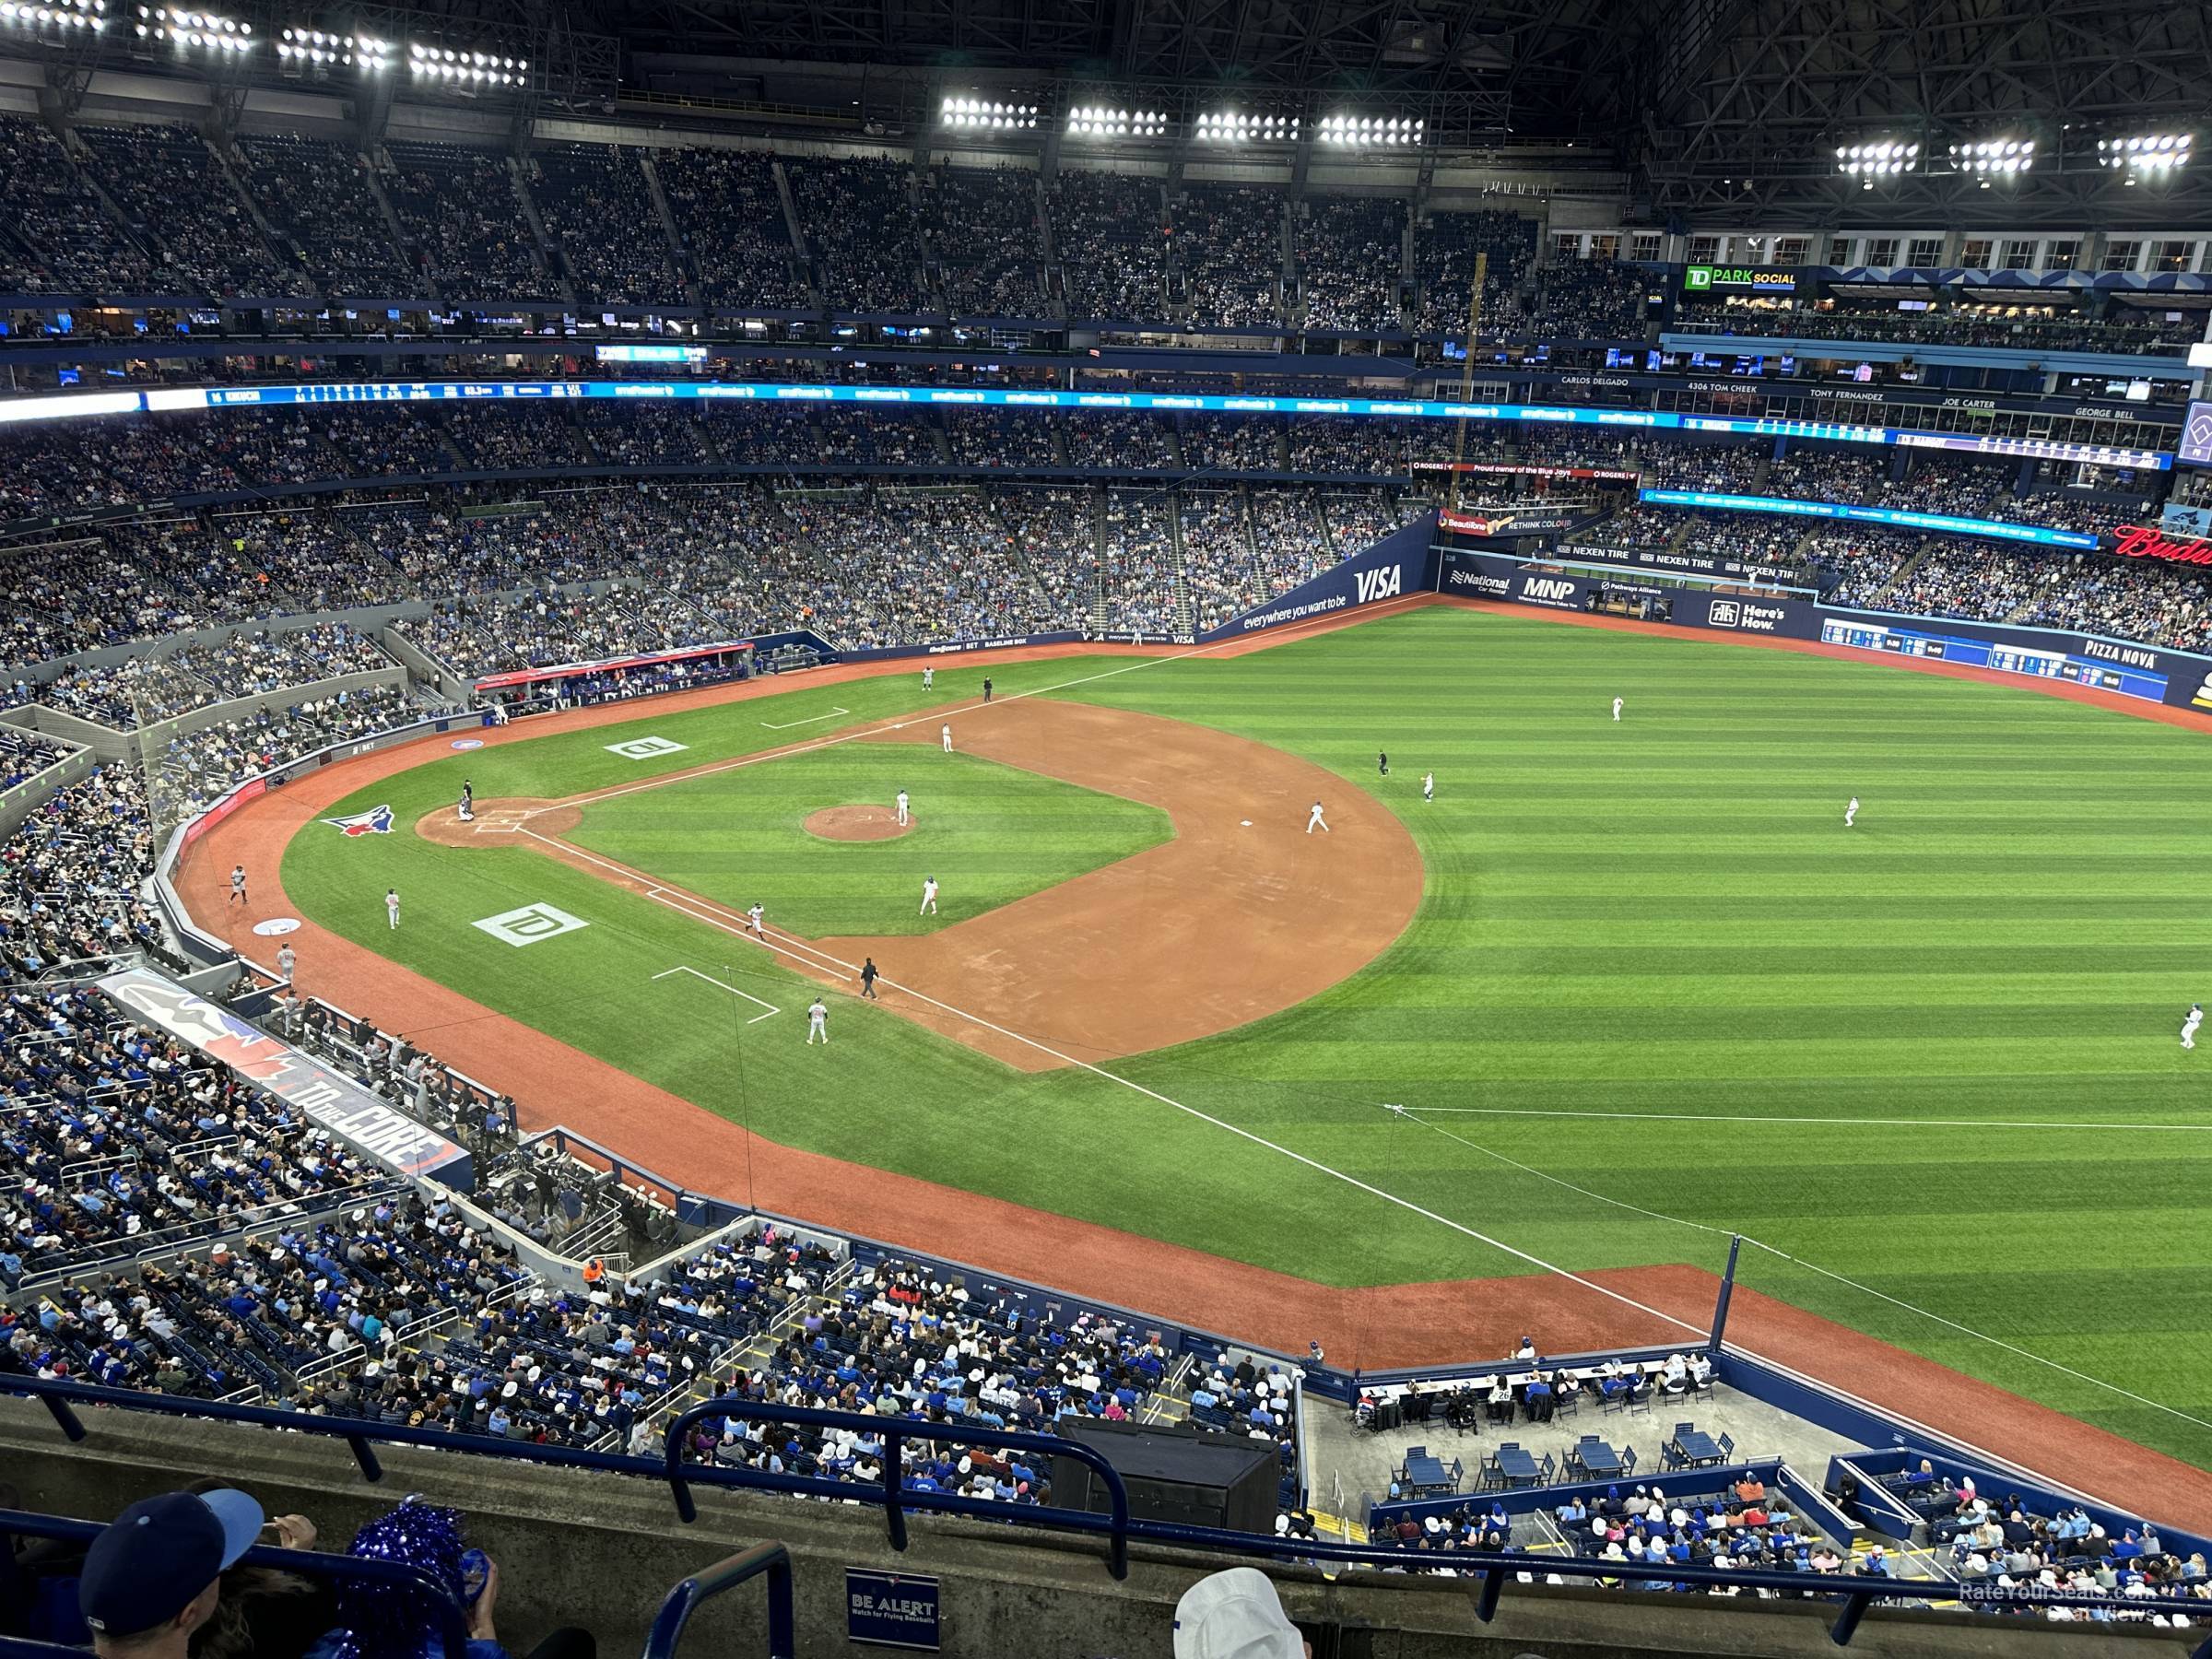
(238, 886)
(391, 908)
(1314, 820)
(1616, 710)
(1851, 811)
(2195, 1017)
(817, 1020)
(929, 896)
(287, 960)
(752, 920)
(902, 809)
(1428, 787)
(948, 736)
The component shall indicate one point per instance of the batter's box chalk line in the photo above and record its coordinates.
(732, 990)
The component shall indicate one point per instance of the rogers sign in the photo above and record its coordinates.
(2140, 541)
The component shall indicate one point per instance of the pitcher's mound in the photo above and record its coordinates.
(857, 824)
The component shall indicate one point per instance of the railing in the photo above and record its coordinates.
(1853, 1593)
(437, 1601)
(895, 1500)
(727, 1574)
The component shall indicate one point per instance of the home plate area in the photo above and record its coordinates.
(502, 821)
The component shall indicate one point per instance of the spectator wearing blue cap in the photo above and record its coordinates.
(154, 1575)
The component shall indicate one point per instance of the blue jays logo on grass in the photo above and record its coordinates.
(377, 820)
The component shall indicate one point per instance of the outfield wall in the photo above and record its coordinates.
(1405, 561)
(2177, 679)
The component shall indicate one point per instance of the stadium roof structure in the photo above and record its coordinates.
(1715, 108)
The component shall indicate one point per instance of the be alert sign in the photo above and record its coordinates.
(891, 1610)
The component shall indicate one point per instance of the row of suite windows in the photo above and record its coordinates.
(2149, 254)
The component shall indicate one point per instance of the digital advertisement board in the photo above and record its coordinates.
(1995, 529)
(177, 399)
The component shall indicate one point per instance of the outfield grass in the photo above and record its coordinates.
(989, 834)
(1662, 923)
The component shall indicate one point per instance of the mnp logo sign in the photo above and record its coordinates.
(1379, 583)
(532, 924)
(645, 749)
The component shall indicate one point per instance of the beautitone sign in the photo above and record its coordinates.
(327, 1098)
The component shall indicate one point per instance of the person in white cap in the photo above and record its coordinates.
(1236, 1615)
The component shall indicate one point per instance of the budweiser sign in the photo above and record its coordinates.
(2140, 541)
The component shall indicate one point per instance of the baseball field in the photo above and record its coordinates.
(1622, 989)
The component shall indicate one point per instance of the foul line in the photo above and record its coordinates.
(732, 990)
(1413, 1114)
(663, 895)
(1300, 1157)
(687, 904)
(1388, 608)
(1726, 1117)
(787, 724)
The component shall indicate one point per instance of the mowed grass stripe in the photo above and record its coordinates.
(1664, 915)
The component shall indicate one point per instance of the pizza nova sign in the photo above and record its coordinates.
(2141, 541)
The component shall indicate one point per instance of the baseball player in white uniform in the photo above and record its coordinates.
(1428, 787)
(287, 960)
(1616, 709)
(391, 908)
(238, 886)
(817, 1020)
(929, 678)
(1851, 811)
(929, 896)
(902, 809)
(752, 920)
(948, 736)
(2195, 1017)
(1315, 821)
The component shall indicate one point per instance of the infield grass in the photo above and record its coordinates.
(988, 834)
(1655, 992)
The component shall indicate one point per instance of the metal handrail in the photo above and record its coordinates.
(452, 1623)
(895, 1432)
(683, 1601)
(1855, 1592)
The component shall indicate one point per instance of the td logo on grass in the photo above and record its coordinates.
(645, 749)
(531, 925)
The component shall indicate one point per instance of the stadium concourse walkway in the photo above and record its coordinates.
(1376, 1328)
